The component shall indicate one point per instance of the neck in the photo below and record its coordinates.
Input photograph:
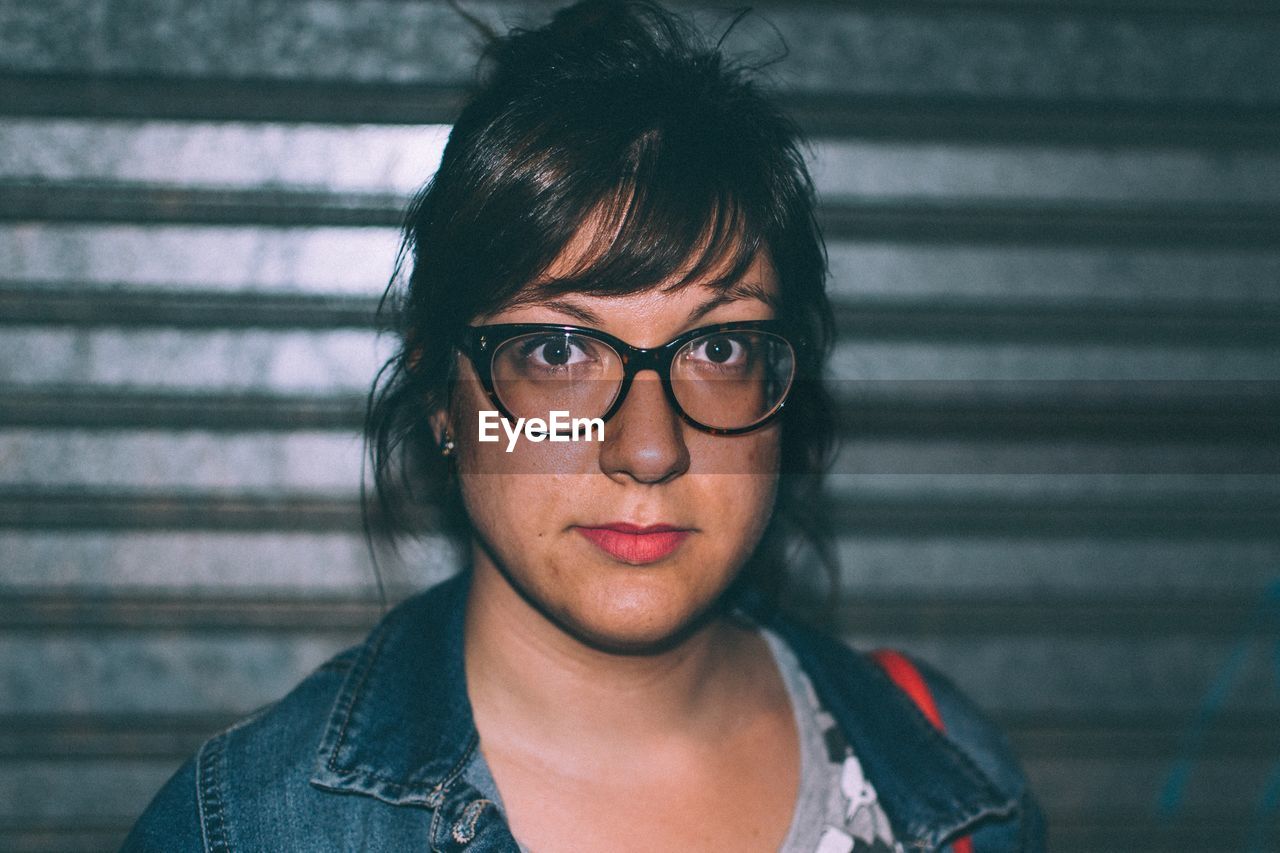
(530, 680)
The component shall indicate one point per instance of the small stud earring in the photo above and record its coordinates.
(446, 449)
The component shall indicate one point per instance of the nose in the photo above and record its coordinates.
(644, 440)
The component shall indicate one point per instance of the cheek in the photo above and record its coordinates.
(506, 510)
(740, 484)
(525, 456)
(511, 498)
(756, 454)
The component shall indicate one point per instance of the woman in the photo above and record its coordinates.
(608, 385)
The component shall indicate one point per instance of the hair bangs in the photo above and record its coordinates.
(675, 219)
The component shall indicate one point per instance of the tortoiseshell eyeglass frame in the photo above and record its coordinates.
(479, 343)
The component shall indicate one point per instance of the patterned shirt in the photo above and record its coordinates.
(837, 810)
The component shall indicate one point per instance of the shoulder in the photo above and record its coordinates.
(973, 730)
(987, 746)
(172, 821)
(964, 722)
(266, 757)
(968, 765)
(983, 743)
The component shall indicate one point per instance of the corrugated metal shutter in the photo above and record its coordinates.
(1053, 231)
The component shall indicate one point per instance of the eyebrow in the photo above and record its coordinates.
(584, 315)
(741, 290)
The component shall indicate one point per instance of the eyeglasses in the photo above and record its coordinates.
(725, 379)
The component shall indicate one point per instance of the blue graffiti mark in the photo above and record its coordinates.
(1214, 700)
(1266, 615)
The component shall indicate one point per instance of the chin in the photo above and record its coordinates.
(634, 640)
(635, 624)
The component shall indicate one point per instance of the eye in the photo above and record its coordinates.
(723, 350)
(551, 351)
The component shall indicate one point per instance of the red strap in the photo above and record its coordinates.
(903, 672)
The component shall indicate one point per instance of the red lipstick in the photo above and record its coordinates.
(634, 544)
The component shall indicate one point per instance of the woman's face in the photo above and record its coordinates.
(558, 520)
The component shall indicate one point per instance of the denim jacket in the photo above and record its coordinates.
(368, 752)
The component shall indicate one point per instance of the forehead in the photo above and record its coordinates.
(673, 301)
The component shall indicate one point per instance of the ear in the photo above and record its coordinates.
(439, 421)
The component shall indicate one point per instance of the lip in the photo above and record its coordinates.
(635, 544)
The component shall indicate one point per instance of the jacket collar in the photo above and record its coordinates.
(928, 787)
(402, 729)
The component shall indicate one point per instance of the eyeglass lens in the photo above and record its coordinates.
(723, 380)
